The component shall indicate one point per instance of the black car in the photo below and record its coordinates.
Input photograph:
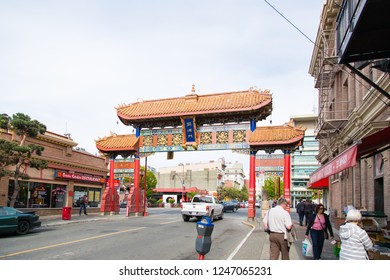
(236, 203)
(13, 220)
(229, 206)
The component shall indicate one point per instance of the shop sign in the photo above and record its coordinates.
(343, 161)
(79, 177)
(116, 183)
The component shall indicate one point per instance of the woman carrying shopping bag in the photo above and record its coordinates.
(318, 227)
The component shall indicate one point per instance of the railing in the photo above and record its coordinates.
(346, 22)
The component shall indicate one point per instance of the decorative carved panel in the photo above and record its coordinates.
(206, 138)
(222, 137)
(177, 139)
(148, 141)
(162, 140)
(239, 136)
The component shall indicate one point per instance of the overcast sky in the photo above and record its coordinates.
(68, 64)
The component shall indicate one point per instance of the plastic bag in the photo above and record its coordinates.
(307, 248)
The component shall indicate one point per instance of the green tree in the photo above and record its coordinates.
(271, 188)
(228, 193)
(244, 194)
(16, 153)
(151, 182)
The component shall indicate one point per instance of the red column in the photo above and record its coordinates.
(287, 177)
(252, 186)
(136, 181)
(112, 187)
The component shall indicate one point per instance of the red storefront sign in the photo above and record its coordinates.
(343, 161)
(79, 177)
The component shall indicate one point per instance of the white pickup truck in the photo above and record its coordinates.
(202, 205)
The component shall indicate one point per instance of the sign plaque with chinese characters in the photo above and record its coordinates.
(189, 130)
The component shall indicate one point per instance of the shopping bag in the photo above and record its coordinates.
(307, 248)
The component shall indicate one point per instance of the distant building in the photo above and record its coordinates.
(303, 161)
(267, 166)
(235, 176)
(190, 177)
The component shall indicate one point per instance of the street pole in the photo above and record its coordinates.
(183, 186)
(145, 186)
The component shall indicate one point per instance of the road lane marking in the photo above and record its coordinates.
(69, 242)
(175, 221)
(242, 242)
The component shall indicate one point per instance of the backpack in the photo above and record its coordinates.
(81, 200)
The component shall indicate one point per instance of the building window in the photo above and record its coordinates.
(38, 195)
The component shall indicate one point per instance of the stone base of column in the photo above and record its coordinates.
(110, 202)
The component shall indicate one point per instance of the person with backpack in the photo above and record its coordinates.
(300, 211)
(83, 204)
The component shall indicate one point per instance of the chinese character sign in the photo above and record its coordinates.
(189, 130)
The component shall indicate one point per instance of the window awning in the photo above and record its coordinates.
(368, 146)
(374, 143)
(321, 184)
(342, 161)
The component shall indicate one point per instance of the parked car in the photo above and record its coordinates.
(229, 206)
(244, 204)
(13, 220)
(236, 203)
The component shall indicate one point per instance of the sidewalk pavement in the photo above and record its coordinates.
(256, 247)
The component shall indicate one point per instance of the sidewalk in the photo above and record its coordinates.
(257, 245)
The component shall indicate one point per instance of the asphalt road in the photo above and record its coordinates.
(163, 235)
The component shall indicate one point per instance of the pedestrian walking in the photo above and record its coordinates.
(308, 211)
(300, 211)
(354, 240)
(83, 204)
(318, 228)
(278, 222)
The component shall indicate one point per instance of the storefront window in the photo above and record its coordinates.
(94, 195)
(40, 194)
(58, 196)
(79, 192)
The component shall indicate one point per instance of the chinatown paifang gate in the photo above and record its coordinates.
(220, 121)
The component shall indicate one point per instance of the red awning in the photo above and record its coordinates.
(321, 184)
(374, 142)
(366, 147)
(342, 161)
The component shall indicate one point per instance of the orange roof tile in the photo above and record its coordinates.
(245, 104)
(276, 135)
(115, 142)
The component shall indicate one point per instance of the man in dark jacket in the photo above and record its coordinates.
(300, 211)
(308, 210)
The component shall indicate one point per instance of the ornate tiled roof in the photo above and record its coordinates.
(209, 108)
(114, 142)
(276, 136)
(271, 137)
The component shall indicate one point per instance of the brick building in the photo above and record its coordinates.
(353, 126)
(71, 173)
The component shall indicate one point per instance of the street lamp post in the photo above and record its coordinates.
(182, 184)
